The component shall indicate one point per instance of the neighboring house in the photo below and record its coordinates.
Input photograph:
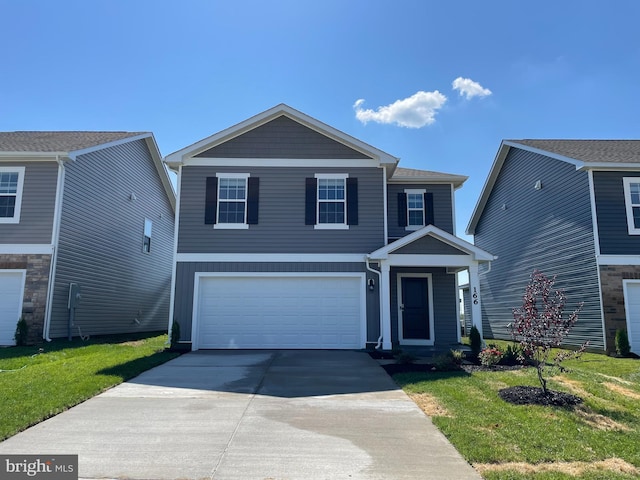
(93, 209)
(292, 234)
(569, 208)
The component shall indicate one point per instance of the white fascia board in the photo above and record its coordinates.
(490, 181)
(608, 167)
(26, 249)
(33, 156)
(455, 180)
(152, 145)
(279, 162)
(272, 257)
(419, 260)
(618, 260)
(180, 156)
(76, 153)
(438, 234)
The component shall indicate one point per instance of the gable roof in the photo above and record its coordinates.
(410, 175)
(58, 142)
(71, 144)
(477, 253)
(179, 157)
(584, 154)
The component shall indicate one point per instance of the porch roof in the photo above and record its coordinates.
(467, 251)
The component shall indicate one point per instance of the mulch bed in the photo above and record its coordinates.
(535, 396)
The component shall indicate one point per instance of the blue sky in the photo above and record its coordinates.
(381, 71)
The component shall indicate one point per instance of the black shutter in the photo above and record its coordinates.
(211, 201)
(402, 209)
(352, 201)
(428, 208)
(253, 194)
(311, 193)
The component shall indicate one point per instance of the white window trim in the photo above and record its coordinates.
(19, 190)
(627, 181)
(417, 191)
(331, 226)
(233, 226)
(149, 222)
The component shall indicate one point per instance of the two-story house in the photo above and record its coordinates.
(292, 234)
(86, 217)
(569, 208)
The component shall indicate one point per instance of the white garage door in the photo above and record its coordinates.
(279, 312)
(632, 306)
(11, 291)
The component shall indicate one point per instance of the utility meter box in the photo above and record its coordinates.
(74, 295)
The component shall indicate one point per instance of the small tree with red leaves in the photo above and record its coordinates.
(539, 325)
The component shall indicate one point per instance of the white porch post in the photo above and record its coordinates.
(474, 296)
(385, 305)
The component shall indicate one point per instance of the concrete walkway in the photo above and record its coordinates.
(251, 415)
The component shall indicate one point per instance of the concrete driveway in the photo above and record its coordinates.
(272, 415)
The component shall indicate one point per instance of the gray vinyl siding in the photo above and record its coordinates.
(38, 205)
(612, 215)
(100, 245)
(442, 207)
(281, 227)
(185, 278)
(429, 246)
(548, 229)
(445, 298)
(282, 138)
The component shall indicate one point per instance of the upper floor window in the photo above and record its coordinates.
(11, 182)
(331, 201)
(415, 208)
(231, 200)
(146, 238)
(632, 203)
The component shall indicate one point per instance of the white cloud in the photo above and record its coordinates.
(469, 88)
(415, 111)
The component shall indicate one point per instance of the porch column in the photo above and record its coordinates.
(385, 305)
(474, 296)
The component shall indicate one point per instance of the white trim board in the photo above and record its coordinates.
(25, 249)
(272, 257)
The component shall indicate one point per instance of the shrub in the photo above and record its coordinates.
(457, 356)
(22, 332)
(539, 325)
(475, 342)
(404, 358)
(622, 343)
(175, 333)
(445, 363)
(490, 356)
(513, 355)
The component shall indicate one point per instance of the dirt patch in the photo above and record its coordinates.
(133, 343)
(610, 465)
(622, 391)
(523, 395)
(598, 421)
(573, 385)
(429, 405)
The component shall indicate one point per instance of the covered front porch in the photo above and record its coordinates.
(419, 302)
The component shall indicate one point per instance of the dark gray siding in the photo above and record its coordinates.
(429, 246)
(281, 227)
(466, 300)
(100, 244)
(185, 277)
(282, 138)
(442, 208)
(38, 204)
(612, 216)
(445, 298)
(548, 229)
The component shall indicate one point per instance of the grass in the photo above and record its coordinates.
(597, 440)
(39, 382)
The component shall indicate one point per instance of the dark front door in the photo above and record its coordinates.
(414, 309)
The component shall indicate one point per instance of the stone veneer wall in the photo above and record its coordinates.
(615, 318)
(35, 289)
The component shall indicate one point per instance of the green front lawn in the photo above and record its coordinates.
(597, 440)
(39, 382)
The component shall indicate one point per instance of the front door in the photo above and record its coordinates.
(415, 312)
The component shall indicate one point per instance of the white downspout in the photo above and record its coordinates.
(55, 238)
(379, 344)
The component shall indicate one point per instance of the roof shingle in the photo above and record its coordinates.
(29, 141)
(589, 151)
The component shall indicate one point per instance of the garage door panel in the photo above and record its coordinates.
(279, 312)
(632, 302)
